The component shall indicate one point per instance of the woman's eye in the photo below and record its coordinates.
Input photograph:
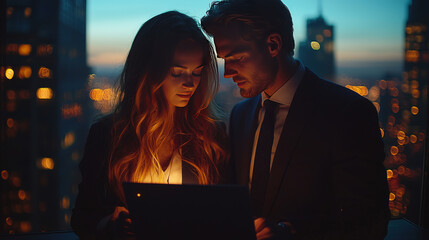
(196, 73)
(175, 73)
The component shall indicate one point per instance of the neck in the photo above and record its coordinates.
(287, 68)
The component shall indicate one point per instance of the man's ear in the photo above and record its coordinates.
(275, 44)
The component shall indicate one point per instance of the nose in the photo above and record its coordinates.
(229, 71)
(188, 82)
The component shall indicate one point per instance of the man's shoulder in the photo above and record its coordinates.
(332, 91)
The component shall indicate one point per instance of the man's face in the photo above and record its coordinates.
(248, 63)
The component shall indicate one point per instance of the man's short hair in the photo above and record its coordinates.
(256, 18)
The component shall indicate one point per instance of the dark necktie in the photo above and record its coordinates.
(261, 166)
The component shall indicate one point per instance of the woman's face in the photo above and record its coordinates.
(185, 74)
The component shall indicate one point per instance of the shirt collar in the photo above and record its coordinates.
(284, 95)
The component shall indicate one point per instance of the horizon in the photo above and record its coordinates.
(371, 43)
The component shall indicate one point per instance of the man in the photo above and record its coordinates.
(309, 150)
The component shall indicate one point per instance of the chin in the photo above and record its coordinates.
(182, 105)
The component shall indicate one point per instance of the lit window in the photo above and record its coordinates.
(9, 11)
(412, 56)
(9, 221)
(327, 33)
(65, 202)
(10, 123)
(389, 174)
(107, 94)
(409, 30)
(382, 84)
(24, 49)
(45, 72)
(374, 93)
(47, 163)
(24, 72)
(96, 94)
(401, 135)
(22, 195)
(44, 93)
(394, 150)
(5, 174)
(11, 95)
(24, 94)
(394, 92)
(315, 45)
(12, 48)
(414, 110)
(69, 139)
(392, 197)
(415, 93)
(43, 50)
(25, 226)
(27, 12)
(9, 73)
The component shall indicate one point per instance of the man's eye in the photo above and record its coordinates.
(237, 59)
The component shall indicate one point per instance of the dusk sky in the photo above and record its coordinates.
(368, 33)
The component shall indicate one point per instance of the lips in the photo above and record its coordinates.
(239, 81)
(185, 95)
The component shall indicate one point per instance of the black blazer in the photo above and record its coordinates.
(95, 200)
(327, 176)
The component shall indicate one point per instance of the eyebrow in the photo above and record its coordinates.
(239, 50)
(180, 66)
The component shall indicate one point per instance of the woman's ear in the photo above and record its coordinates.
(275, 44)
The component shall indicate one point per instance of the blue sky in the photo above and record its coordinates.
(366, 30)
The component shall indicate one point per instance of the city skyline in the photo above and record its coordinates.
(369, 35)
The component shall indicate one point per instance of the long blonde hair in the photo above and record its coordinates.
(142, 122)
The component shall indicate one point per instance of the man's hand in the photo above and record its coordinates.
(267, 230)
(263, 229)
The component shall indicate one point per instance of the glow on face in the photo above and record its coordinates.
(185, 74)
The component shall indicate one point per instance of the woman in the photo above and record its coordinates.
(162, 131)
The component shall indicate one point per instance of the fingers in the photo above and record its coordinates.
(260, 224)
(123, 227)
(119, 210)
(265, 233)
(263, 229)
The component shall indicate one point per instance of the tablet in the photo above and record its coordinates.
(166, 211)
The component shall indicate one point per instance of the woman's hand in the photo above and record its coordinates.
(117, 225)
(121, 224)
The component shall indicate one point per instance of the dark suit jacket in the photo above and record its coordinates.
(95, 200)
(327, 176)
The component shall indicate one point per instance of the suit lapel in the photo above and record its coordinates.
(299, 114)
(247, 138)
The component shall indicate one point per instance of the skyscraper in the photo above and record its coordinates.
(44, 99)
(317, 50)
(403, 117)
(416, 78)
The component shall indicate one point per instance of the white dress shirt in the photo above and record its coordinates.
(283, 96)
(172, 175)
